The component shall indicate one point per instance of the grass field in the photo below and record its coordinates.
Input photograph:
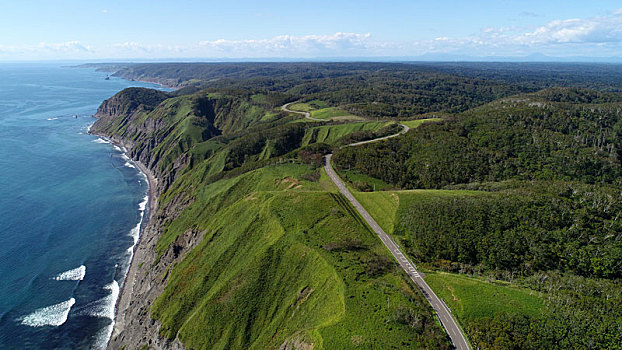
(472, 298)
(330, 134)
(354, 177)
(321, 110)
(296, 267)
(418, 122)
(334, 113)
(308, 106)
(382, 206)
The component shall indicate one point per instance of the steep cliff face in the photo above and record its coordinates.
(162, 132)
(159, 130)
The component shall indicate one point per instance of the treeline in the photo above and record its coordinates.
(537, 227)
(579, 313)
(390, 90)
(524, 137)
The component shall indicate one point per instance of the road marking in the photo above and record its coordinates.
(443, 313)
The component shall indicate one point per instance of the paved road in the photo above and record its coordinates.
(404, 130)
(443, 312)
(307, 115)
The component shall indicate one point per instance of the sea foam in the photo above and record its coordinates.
(105, 308)
(130, 165)
(76, 274)
(135, 233)
(142, 205)
(54, 315)
(100, 140)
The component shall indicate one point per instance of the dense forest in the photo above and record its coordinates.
(524, 170)
(385, 90)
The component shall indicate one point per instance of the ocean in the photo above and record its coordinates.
(70, 208)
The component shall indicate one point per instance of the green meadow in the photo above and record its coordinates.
(331, 134)
(283, 261)
(471, 298)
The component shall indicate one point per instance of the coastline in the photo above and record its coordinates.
(139, 251)
(127, 287)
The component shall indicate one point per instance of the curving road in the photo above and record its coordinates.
(404, 130)
(444, 314)
(307, 115)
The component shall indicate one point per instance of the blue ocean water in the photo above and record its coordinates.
(69, 206)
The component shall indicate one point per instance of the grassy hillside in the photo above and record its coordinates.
(332, 134)
(321, 110)
(474, 298)
(523, 237)
(283, 261)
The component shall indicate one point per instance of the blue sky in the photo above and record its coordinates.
(168, 29)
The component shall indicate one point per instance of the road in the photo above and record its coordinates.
(404, 130)
(443, 312)
(307, 115)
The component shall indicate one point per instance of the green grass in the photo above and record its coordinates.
(415, 123)
(354, 177)
(308, 106)
(472, 298)
(330, 134)
(283, 260)
(321, 110)
(382, 206)
(259, 98)
(333, 113)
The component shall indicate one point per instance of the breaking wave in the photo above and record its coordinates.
(54, 315)
(104, 308)
(76, 274)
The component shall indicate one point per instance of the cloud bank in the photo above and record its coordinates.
(596, 36)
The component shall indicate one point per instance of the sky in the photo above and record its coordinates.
(241, 29)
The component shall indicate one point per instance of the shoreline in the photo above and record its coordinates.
(127, 287)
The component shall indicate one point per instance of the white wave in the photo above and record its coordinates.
(76, 274)
(129, 165)
(100, 140)
(124, 156)
(55, 118)
(102, 337)
(105, 308)
(142, 205)
(117, 148)
(135, 232)
(54, 315)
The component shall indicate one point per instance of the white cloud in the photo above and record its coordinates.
(591, 30)
(596, 36)
(69, 46)
(306, 45)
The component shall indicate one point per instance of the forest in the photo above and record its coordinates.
(520, 171)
